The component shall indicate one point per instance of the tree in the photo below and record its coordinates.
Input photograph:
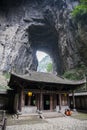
(49, 67)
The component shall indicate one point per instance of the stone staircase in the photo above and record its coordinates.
(43, 115)
(29, 116)
(52, 115)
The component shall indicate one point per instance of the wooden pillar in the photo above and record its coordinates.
(19, 102)
(51, 102)
(15, 103)
(68, 100)
(73, 101)
(37, 101)
(21, 99)
(41, 101)
(55, 101)
(59, 102)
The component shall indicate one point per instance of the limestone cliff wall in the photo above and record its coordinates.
(27, 26)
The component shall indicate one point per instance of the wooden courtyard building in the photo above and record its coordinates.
(39, 91)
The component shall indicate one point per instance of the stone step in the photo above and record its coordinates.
(41, 115)
(52, 115)
(28, 116)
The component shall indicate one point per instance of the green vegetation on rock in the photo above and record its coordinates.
(80, 11)
(3, 81)
(78, 73)
(7, 75)
(49, 67)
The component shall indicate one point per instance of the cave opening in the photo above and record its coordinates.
(44, 38)
(45, 63)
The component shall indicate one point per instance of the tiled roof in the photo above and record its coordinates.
(48, 78)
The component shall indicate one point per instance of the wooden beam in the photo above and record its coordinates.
(45, 91)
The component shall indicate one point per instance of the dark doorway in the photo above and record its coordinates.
(26, 100)
(57, 96)
(30, 100)
(33, 100)
(46, 102)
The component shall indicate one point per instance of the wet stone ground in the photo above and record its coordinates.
(61, 123)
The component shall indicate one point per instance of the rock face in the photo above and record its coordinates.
(27, 26)
(82, 39)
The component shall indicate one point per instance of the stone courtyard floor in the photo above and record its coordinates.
(60, 123)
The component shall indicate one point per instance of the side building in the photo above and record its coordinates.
(80, 101)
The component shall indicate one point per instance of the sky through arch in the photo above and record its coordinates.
(44, 62)
(40, 55)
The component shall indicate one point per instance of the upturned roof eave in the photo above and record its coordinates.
(63, 81)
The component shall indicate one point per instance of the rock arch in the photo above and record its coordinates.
(45, 38)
